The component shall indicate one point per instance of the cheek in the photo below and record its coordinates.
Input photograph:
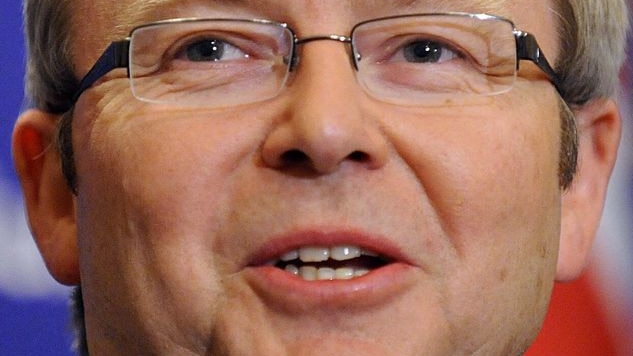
(147, 161)
(162, 159)
(485, 169)
(166, 173)
(152, 186)
(490, 178)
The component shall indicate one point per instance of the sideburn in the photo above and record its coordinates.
(65, 147)
(568, 160)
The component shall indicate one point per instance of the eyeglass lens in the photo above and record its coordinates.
(408, 60)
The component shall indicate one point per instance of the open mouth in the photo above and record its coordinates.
(339, 269)
(340, 262)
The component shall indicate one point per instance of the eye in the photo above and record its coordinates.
(427, 51)
(211, 50)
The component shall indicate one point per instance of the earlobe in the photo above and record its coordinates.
(49, 202)
(599, 129)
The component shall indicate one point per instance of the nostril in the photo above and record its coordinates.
(358, 156)
(298, 158)
(294, 157)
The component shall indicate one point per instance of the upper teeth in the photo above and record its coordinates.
(312, 254)
(321, 254)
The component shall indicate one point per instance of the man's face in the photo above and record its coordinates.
(183, 213)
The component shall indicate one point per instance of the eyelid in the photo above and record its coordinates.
(397, 44)
(227, 48)
(253, 45)
(178, 46)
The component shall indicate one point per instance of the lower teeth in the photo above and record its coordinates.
(311, 273)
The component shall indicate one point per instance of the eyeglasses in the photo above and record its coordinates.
(407, 60)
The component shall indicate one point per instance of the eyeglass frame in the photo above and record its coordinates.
(117, 54)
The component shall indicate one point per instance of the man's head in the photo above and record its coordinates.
(184, 224)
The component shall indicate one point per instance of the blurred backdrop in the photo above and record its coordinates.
(593, 316)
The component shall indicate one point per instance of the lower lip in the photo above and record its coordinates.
(293, 294)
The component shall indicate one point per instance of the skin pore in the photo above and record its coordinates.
(178, 211)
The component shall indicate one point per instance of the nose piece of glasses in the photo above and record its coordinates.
(294, 61)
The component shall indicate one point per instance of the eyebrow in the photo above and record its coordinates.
(479, 6)
(139, 12)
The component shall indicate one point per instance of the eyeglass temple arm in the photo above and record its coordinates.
(115, 56)
(528, 48)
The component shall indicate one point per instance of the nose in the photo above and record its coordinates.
(325, 125)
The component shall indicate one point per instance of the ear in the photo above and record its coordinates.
(599, 129)
(49, 202)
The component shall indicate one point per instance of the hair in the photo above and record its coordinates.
(592, 36)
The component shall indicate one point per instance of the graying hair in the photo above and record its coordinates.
(593, 40)
(50, 76)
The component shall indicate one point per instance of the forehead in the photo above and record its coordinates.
(143, 8)
(123, 15)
